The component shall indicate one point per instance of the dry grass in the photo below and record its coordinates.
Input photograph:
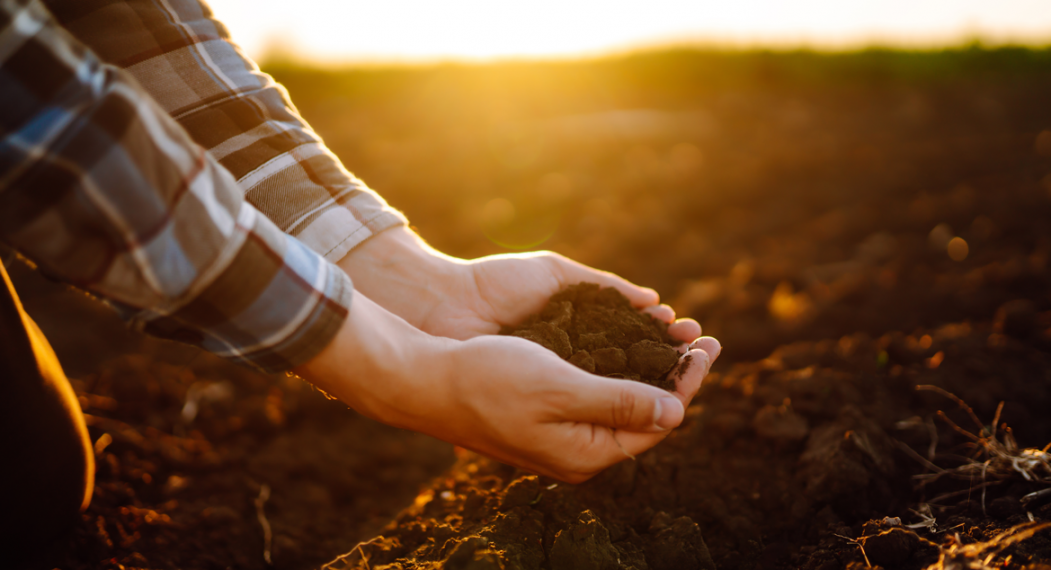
(994, 457)
(981, 555)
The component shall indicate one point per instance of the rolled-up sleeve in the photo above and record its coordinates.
(101, 188)
(185, 59)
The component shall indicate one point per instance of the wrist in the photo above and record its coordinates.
(401, 273)
(383, 367)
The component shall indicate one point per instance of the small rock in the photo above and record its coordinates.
(609, 360)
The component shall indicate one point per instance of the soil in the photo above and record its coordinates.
(790, 462)
(806, 224)
(597, 330)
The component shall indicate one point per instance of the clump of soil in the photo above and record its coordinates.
(597, 329)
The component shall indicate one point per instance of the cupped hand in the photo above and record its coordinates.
(544, 415)
(462, 299)
(502, 396)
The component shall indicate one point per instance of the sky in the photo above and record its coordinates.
(442, 30)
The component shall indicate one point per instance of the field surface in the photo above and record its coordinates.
(868, 234)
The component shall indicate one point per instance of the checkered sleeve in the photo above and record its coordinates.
(186, 60)
(101, 188)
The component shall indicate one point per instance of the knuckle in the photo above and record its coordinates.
(702, 358)
(706, 359)
(624, 408)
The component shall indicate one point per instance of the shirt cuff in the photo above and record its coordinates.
(274, 307)
(343, 227)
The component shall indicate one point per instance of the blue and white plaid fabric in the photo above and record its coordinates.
(100, 187)
(185, 59)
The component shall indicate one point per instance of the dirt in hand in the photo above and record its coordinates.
(598, 330)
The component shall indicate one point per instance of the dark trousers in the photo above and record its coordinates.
(47, 465)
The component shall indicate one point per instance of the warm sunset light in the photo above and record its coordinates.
(510, 285)
(474, 29)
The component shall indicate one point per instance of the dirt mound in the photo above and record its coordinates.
(597, 330)
(805, 459)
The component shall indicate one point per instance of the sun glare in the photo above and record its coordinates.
(415, 30)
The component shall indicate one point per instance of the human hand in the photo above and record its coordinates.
(502, 396)
(460, 299)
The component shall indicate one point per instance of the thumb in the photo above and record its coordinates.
(624, 404)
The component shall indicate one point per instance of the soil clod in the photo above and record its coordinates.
(599, 331)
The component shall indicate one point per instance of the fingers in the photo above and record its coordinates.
(662, 312)
(690, 373)
(598, 444)
(709, 345)
(570, 272)
(621, 404)
(685, 330)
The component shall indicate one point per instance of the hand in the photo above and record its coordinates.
(460, 299)
(502, 396)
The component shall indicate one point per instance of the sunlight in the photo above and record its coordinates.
(414, 30)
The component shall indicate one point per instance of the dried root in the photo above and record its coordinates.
(995, 454)
(981, 555)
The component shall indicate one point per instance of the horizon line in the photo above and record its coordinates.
(280, 52)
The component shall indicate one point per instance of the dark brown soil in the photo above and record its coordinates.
(802, 221)
(781, 465)
(597, 330)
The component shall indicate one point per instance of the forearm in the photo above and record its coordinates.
(398, 270)
(186, 60)
(102, 189)
(383, 367)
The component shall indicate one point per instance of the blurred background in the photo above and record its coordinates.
(775, 170)
(352, 31)
(778, 171)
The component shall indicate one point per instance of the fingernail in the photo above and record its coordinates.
(704, 341)
(666, 412)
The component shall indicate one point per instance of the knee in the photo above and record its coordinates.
(48, 462)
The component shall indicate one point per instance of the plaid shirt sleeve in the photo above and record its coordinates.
(101, 188)
(185, 59)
